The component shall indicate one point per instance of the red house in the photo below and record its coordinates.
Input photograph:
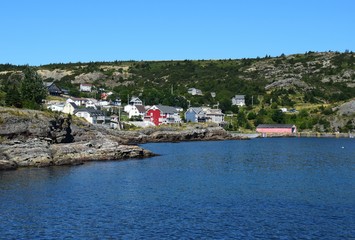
(277, 128)
(160, 114)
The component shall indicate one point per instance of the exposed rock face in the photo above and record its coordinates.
(33, 152)
(36, 139)
(56, 74)
(287, 83)
(165, 135)
(60, 130)
(21, 125)
(7, 165)
(29, 141)
(37, 153)
(89, 77)
(98, 150)
(347, 108)
(212, 133)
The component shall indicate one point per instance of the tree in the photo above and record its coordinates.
(13, 96)
(242, 119)
(32, 89)
(11, 88)
(278, 116)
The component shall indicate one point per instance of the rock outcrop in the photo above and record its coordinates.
(36, 139)
(164, 134)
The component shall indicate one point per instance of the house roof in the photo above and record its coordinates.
(140, 108)
(86, 84)
(197, 110)
(47, 84)
(212, 111)
(166, 109)
(77, 99)
(276, 126)
(74, 105)
(135, 99)
(239, 96)
(93, 112)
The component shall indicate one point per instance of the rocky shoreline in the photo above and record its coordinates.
(31, 138)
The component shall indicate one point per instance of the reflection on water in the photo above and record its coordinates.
(263, 188)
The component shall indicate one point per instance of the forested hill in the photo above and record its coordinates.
(314, 78)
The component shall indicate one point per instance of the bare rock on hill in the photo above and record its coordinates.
(347, 108)
(287, 83)
(56, 74)
(89, 77)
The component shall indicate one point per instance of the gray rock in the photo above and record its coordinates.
(89, 77)
(288, 82)
(8, 165)
(95, 150)
(33, 153)
(347, 108)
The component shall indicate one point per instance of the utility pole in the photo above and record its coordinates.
(252, 100)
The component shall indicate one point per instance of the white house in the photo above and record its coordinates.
(85, 87)
(194, 91)
(91, 115)
(130, 107)
(135, 101)
(91, 103)
(137, 110)
(214, 115)
(57, 107)
(69, 108)
(238, 100)
(78, 101)
(104, 103)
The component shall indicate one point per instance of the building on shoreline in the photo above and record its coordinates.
(276, 128)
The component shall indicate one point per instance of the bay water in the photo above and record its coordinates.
(274, 188)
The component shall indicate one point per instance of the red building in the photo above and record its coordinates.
(160, 114)
(276, 128)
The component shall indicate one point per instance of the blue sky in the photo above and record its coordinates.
(39, 32)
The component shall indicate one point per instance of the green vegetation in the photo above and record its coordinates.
(311, 83)
(24, 90)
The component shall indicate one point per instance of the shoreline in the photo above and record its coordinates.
(30, 138)
(309, 135)
(35, 152)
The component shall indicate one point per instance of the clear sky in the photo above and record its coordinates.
(39, 32)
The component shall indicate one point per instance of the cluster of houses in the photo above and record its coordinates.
(92, 111)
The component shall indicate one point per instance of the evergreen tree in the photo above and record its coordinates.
(13, 96)
(32, 89)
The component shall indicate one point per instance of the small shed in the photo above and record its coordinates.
(277, 128)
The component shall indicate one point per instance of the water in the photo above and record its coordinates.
(298, 188)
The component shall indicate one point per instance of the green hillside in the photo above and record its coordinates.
(315, 84)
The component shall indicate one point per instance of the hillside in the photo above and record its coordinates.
(316, 84)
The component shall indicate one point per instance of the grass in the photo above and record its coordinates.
(55, 98)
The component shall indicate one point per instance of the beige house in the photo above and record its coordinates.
(70, 108)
